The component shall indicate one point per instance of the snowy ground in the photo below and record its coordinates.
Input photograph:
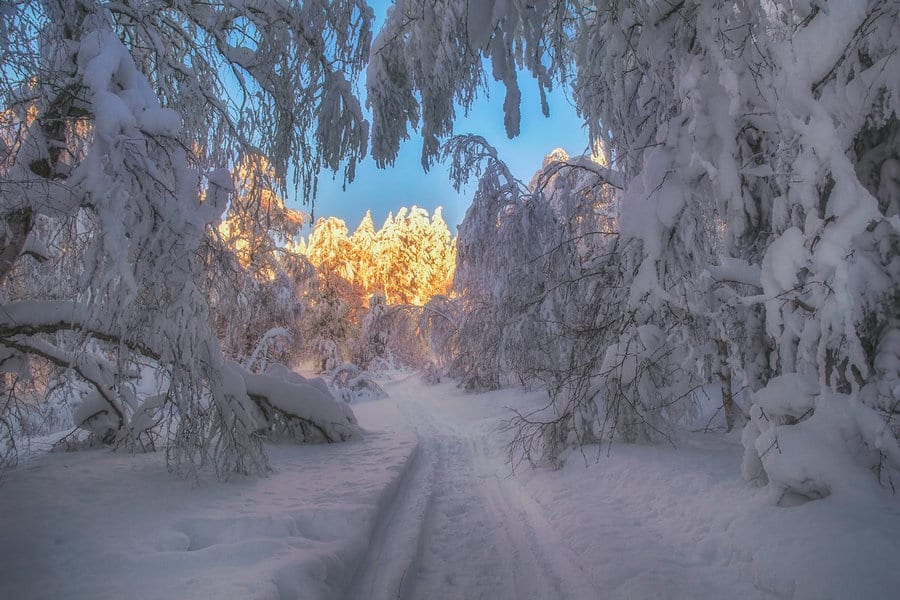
(425, 507)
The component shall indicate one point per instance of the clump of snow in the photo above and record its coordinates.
(95, 415)
(807, 444)
(297, 407)
(354, 385)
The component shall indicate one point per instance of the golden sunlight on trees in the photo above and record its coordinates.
(409, 260)
(13, 123)
(258, 225)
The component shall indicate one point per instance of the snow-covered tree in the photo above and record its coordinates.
(408, 260)
(336, 302)
(394, 270)
(544, 289)
(751, 153)
(363, 242)
(758, 205)
(492, 261)
(329, 248)
(414, 256)
(258, 294)
(126, 117)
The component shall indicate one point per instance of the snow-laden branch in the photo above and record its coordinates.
(604, 175)
(299, 399)
(29, 318)
(99, 372)
(734, 270)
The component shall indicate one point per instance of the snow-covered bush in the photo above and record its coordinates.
(352, 384)
(296, 408)
(809, 443)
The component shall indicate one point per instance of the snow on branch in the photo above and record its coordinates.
(295, 406)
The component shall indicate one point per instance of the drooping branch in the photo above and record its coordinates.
(93, 369)
(29, 318)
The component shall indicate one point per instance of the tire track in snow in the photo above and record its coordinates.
(458, 528)
(396, 532)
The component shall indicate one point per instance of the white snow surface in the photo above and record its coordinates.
(425, 507)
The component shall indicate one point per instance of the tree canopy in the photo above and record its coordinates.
(754, 171)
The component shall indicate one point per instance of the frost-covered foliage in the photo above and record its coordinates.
(758, 141)
(407, 261)
(121, 120)
(756, 145)
(544, 288)
(351, 384)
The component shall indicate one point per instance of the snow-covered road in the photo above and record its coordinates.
(645, 522)
(459, 527)
(424, 507)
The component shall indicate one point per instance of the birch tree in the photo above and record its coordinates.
(126, 117)
(758, 205)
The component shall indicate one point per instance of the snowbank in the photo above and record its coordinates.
(98, 524)
(650, 521)
(701, 531)
(643, 522)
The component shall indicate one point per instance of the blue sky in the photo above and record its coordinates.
(405, 184)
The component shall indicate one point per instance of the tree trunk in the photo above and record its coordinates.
(732, 411)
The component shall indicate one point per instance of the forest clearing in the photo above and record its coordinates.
(663, 361)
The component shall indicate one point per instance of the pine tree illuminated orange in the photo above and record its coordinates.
(410, 259)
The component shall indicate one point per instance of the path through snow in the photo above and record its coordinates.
(646, 522)
(425, 508)
(459, 527)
